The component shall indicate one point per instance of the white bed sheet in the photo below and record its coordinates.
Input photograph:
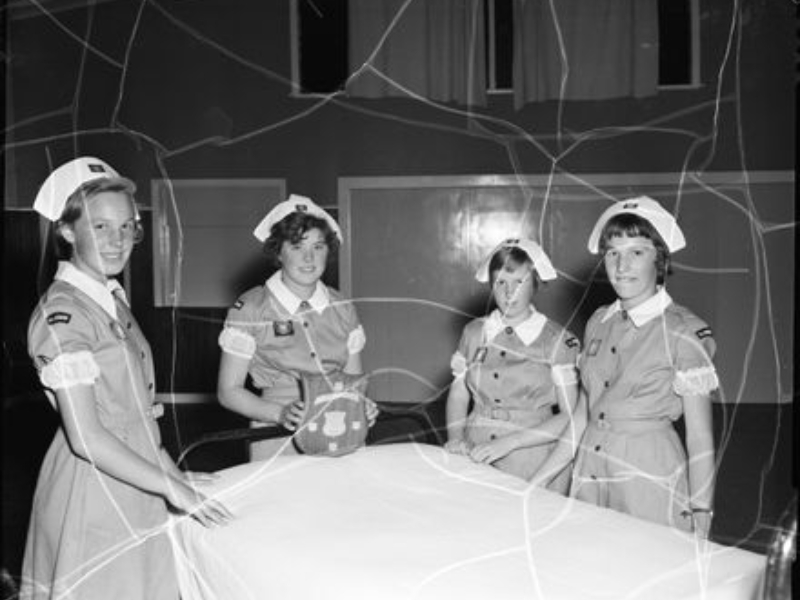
(410, 521)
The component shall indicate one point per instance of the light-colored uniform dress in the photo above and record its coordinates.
(512, 374)
(635, 368)
(91, 536)
(283, 336)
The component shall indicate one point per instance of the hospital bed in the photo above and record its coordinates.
(410, 521)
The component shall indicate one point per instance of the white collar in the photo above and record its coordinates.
(102, 294)
(319, 300)
(646, 311)
(527, 331)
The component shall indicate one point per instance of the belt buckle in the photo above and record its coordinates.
(501, 414)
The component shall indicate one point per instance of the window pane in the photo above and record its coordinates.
(503, 44)
(323, 45)
(675, 42)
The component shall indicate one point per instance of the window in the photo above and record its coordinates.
(319, 45)
(499, 44)
(678, 32)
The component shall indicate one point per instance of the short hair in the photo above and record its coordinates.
(73, 209)
(292, 228)
(512, 257)
(631, 225)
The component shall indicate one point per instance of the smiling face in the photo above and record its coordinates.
(103, 237)
(512, 288)
(630, 263)
(303, 263)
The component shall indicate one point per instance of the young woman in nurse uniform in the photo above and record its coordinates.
(292, 324)
(516, 367)
(646, 361)
(99, 518)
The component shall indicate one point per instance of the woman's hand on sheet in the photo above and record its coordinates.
(292, 415)
(457, 447)
(207, 511)
(488, 452)
(372, 412)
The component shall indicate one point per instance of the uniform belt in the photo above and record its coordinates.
(515, 414)
(603, 423)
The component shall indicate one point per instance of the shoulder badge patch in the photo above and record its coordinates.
(703, 333)
(58, 317)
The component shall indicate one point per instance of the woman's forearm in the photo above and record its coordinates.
(244, 402)
(456, 411)
(106, 452)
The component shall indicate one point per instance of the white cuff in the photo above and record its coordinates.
(356, 340)
(237, 342)
(458, 364)
(70, 369)
(564, 375)
(700, 381)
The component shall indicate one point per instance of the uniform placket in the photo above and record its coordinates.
(125, 321)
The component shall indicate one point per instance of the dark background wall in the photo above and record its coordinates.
(200, 89)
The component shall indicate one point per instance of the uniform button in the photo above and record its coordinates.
(597, 448)
(492, 437)
(150, 386)
(129, 325)
(143, 355)
(509, 330)
(601, 416)
(502, 353)
(305, 323)
(613, 349)
(497, 400)
(313, 355)
(497, 375)
(605, 384)
(624, 315)
(593, 477)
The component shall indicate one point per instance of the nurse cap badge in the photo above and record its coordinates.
(541, 262)
(649, 210)
(65, 181)
(293, 204)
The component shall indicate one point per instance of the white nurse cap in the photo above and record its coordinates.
(293, 204)
(649, 210)
(65, 181)
(541, 263)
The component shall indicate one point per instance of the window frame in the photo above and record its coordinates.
(491, 71)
